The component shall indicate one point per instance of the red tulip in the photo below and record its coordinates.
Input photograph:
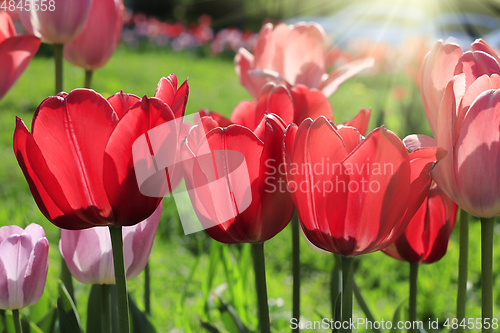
(426, 238)
(95, 45)
(234, 182)
(291, 105)
(354, 195)
(15, 53)
(467, 127)
(24, 261)
(79, 160)
(295, 54)
(55, 21)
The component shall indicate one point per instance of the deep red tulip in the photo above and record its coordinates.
(95, 45)
(80, 163)
(58, 21)
(354, 195)
(234, 182)
(426, 237)
(15, 53)
(292, 54)
(467, 127)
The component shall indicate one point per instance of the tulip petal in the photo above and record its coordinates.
(15, 55)
(244, 114)
(123, 187)
(36, 271)
(342, 74)
(476, 64)
(244, 64)
(309, 103)
(418, 141)
(7, 28)
(478, 141)
(121, 103)
(481, 45)
(8, 230)
(360, 121)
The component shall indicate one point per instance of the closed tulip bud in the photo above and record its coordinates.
(16, 52)
(89, 257)
(95, 45)
(425, 240)
(60, 22)
(24, 261)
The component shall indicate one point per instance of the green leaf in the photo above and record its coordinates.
(69, 321)
(94, 309)
(230, 318)
(209, 327)
(140, 322)
(337, 309)
(38, 311)
(397, 315)
(48, 323)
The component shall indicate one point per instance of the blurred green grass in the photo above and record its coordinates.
(186, 269)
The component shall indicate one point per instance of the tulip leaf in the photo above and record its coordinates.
(38, 311)
(140, 321)
(397, 315)
(7, 324)
(337, 308)
(48, 323)
(209, 327)
(69, 321)
(230, 318)
(94, 309)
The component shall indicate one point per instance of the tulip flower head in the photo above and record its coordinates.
(95, 45)
(78, 159)
(292, 54)
(466, 125)
(24, 261)
(16, 52)
(61, 22)
(425, 240)
(88, 253)
(354, 195)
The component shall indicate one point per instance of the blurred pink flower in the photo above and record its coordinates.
(95, 45)
(89, 255)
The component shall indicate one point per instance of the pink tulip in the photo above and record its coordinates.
(295, 54)
(467, 127)
(89, 255)
(55, 21)
(24, 261)
(15, 53)
(95, 45)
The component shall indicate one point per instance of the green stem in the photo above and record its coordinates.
(147, 289)
(106, 309)
(296, 268)
(487, 225)
(88, 78)
(67, 280)
(413, 293)
(17, 321)
(362, 304)
(260, 284)
(120, 278)
(347, 285)
(463, 263)
(335, 283)
(58, 58)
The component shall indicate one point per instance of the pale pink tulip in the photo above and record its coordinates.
(89, 255)
(55, 21)
(95, 45)
(292, 54)
(15, 53)
(24, 261)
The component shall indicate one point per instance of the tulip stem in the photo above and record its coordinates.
(347, 286)
(147, 289)
(296, 268)
(17, 321)
(121, 281)
(413, 294)
(362, 304)
(58, 58)
(487, 225)
(463, 263)
(88, 78)
(335, 283)
(67, 280)
(106, 309)
(259, 267)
